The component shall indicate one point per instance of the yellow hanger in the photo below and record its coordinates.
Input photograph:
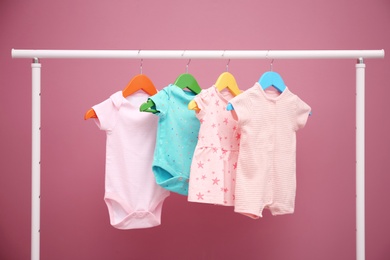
(225, 80)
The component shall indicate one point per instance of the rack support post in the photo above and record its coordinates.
(360, 159)
(36, 159)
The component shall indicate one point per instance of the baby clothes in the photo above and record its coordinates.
(133, 198)
(177, 134)
(213, 169)
(266, 171)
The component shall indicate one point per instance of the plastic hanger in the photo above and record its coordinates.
(183, 81)
(188, 81)
(148, 106)
(268, 79)
(272, 78)
(225, 80)
(139, 82)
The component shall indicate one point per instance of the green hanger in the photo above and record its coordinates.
(186, 80)
(148, 106)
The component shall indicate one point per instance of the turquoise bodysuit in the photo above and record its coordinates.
(177, 136)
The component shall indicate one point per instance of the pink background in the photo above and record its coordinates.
(74, 218)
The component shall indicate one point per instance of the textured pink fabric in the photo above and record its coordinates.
(213, 169)
(266, 171)
(133, 198)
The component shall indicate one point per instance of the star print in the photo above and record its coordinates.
(234, 128)
(200, 165)
(213, 125)
(225, 190)
(235, 165)
(238, 136)
(224, 151)
(225, 121)
(217, 103)
(200, 196)
(203, 177)
(215, 149)
(215, 181)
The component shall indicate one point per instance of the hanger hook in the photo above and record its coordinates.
(187, 65)
(227, 65)
(140, 67)
(272, 64)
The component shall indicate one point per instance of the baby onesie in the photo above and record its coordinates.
(133, 198)
(177, 134)
(213, 169)
(266, 171)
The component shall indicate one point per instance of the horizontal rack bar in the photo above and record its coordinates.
(200, 54)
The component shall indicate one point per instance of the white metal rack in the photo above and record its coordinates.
(359, 55)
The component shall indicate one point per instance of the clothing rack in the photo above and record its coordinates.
(359, 55)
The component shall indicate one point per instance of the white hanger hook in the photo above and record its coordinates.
(140, 67)
(272, 64)
(227, 65)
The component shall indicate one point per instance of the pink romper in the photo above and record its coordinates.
(213, 168)
(133, 198)
(266, 171)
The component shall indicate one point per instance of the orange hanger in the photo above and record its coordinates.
(90, 114)
(139, 82)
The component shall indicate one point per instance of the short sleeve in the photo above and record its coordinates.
(106, 113)
(161, 100)
(302, 113)
(202, 101)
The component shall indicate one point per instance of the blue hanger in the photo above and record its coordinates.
(269, 78)
(272, 78)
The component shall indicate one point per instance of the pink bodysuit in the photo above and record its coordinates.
(133, 198)
(266, 171)
(213, 168)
